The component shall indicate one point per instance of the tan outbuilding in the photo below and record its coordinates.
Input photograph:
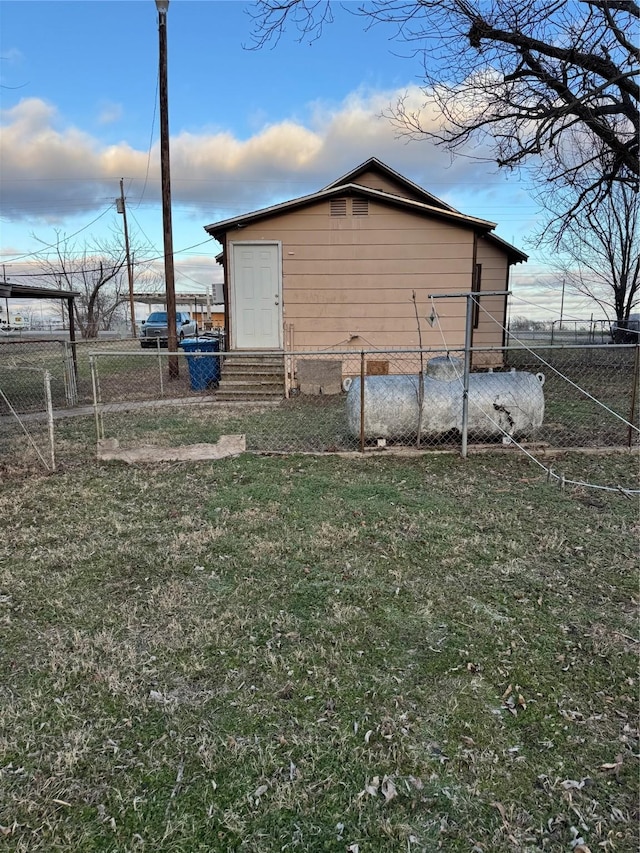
(338, 268)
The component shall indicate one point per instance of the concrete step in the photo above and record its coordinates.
(241, 370)
(252, 377)
(254, 359)
(249, 394)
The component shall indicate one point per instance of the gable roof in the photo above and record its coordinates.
(375, 165)
(341, 190)
(430, 207)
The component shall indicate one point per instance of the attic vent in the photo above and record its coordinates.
(360, 207)
(338, 207)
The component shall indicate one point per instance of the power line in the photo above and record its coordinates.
(54, 245)
(153, 123)
(97, 269)
(549, 310)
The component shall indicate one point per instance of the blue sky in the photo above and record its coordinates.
(248, 128)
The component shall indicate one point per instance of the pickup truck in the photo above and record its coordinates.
(155, 329)
(627, 333)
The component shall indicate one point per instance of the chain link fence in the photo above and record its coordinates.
(559, 332)
(357, 400)
(26, 440)
(343, 400)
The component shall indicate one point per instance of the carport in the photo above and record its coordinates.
(9, 290)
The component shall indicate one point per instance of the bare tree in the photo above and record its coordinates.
(530, 78)
(98, 273)
(597, 247)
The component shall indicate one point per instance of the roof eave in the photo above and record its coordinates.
(10, 290)
(377, 165)
(513, 253)
(219, 229)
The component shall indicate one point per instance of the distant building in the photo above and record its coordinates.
(206, 314)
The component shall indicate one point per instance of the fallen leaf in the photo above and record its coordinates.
(619, 816)
(388, 789)
(156, 696)
(571, 784)
(285, 692)
(372, 787)
(614, 766)
(502, 810)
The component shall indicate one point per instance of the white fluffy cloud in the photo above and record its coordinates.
(51, 170)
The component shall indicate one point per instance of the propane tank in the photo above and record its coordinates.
(509, 404)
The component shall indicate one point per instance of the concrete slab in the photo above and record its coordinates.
(227, 445)
(320, 376)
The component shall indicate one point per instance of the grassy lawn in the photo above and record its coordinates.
(318, 654)
(304, 424)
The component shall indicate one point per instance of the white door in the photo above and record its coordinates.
(257, 292)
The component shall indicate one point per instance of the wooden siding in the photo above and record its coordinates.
(349, 280)
(491, 316)
(495, 276)
(375, 181)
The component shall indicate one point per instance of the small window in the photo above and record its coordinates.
(338, 207)
(360, 207)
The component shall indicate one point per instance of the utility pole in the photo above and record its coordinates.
(5, 291)
(121, 208)
(169, 273)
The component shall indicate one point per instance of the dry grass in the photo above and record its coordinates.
(318, 654)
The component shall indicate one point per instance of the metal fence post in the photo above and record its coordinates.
(160, 367)
(465, 379)
(634, 393)
(69, 373)
(97, 408)
(361, 401)
(49, 403)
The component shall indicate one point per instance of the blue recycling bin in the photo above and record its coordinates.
(204, 370)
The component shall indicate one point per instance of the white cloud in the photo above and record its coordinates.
(56, 170)
(109, 113)
(12, 55)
